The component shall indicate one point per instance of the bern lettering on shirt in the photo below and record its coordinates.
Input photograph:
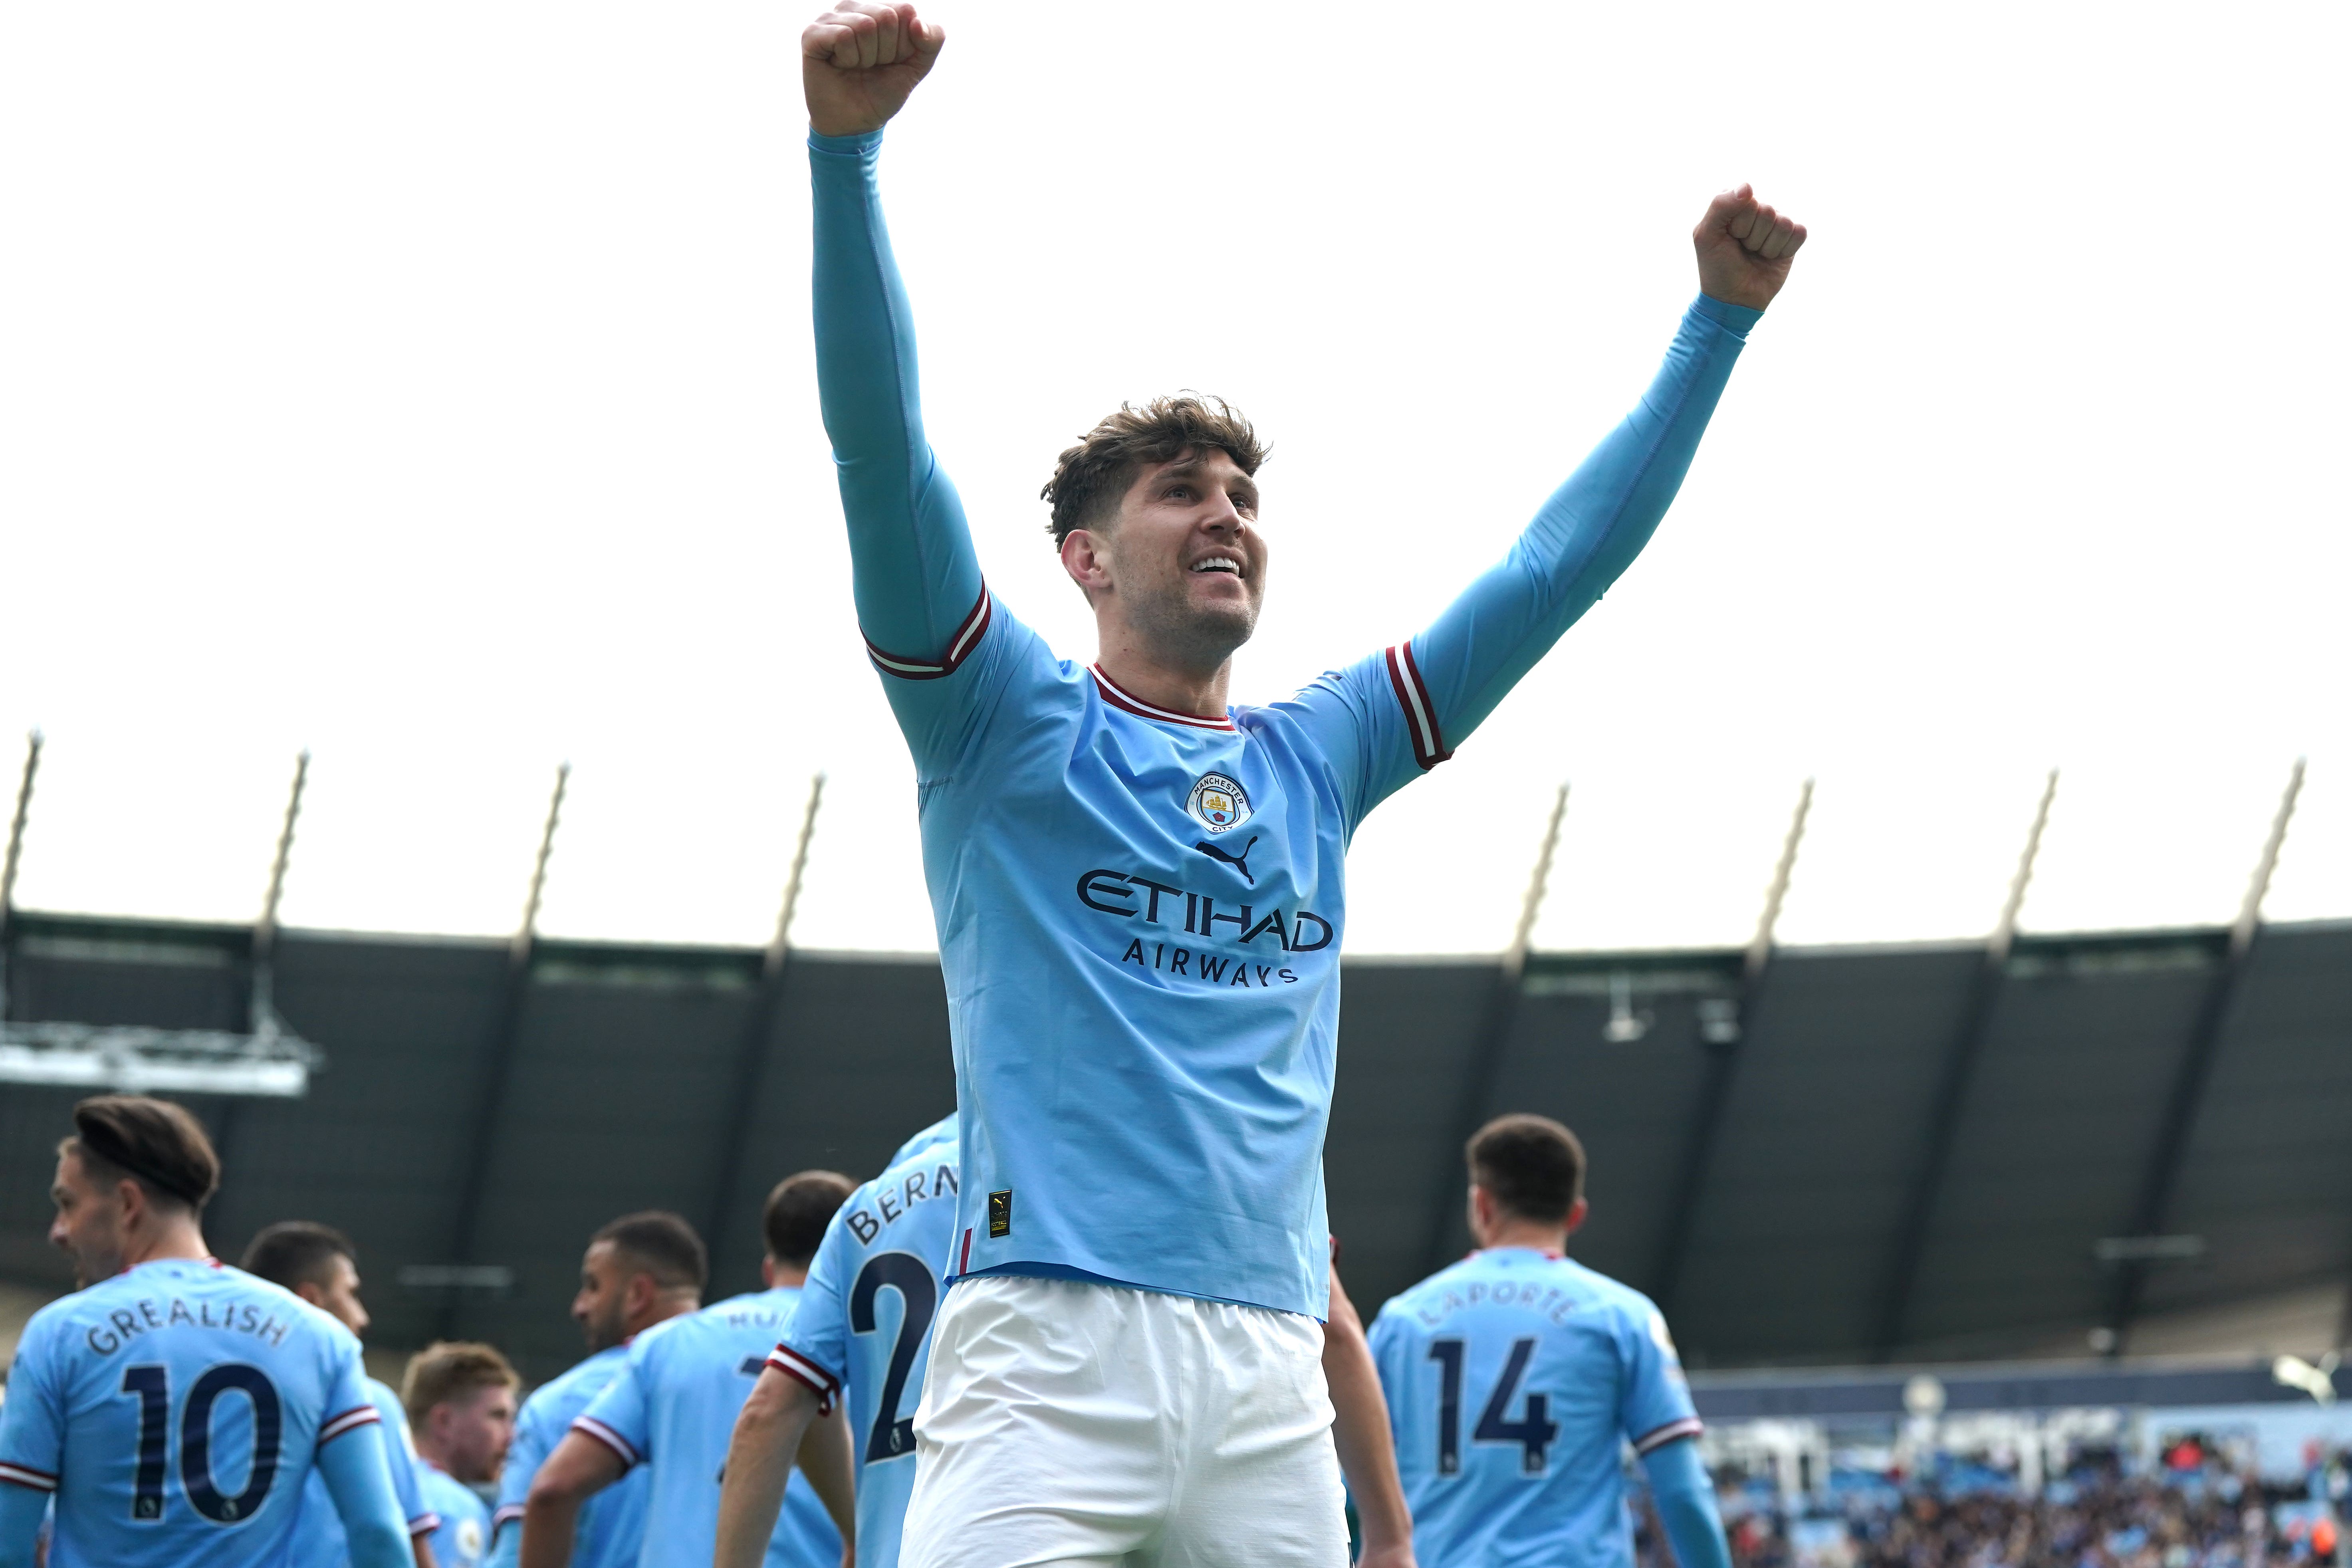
(174, 1410)
(1513, 1380)
(862, 1332)
(672, 1409)
(1140, 912)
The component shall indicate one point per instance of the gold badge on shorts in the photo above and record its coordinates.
(999, 1213)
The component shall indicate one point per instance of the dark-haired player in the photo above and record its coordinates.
(860, 1335)
(1515, 1377)
(672, 1409)
(173, 1407)
(319, 1263)
(1139, 888)
(639, 1270)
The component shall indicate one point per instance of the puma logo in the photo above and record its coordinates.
(1238, 862)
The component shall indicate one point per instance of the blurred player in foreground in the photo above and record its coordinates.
(672, 1409)
(1515, 1377)
(1139, 888)
(138, 1402)
(461, 1401)
(320, 1264)
(639, 1270)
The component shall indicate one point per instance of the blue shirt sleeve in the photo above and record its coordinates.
(1654, 1401)
(815, 1346)
(945, 649)
(619, 1416)
(33, 1418)
(1686, 1499)
(399, 1459)
(1386, 720)
(532, 1443)
(361, 1484)
(22, 1511)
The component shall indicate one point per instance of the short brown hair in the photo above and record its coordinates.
(449, 1370)
(1532, 1165)
(295, 1252)
(798, 1211)
(663, 1247)
(154, 1143)
(1091, 477)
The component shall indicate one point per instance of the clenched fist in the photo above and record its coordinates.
(860, 60)
(1743, 248)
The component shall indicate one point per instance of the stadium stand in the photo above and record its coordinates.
(596, 1078)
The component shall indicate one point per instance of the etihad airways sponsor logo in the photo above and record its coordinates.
(1128, 895)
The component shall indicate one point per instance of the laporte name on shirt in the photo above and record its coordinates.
(1553, 1303)
(1131, 895)
(892, 1203)
(123, 1325)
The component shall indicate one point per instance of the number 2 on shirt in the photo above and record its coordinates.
(1533, 1433)
(918, 1289)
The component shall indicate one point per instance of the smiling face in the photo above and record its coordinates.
(1183, 567)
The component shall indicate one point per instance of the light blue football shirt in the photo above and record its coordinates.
(318, 1534)
(175, 1411)
(462, 1539)
(1139, 912)
(946, 1129)
(611, 1525)
(672, 1409)
(865, 1320)
(1514, 1380)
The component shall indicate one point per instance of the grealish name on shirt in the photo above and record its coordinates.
(893, 1202)
(125, 1324)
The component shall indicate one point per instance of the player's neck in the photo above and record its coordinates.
(675, 1304)
(1176, 686)
(1550, 1239)
(174, 1239)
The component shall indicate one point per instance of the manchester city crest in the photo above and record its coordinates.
(1218, 803)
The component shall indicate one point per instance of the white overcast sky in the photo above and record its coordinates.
(430, 385)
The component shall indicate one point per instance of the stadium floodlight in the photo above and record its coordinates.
(1624, 1025)
(2317, 1381)
(134, 1060)
(271, 1059)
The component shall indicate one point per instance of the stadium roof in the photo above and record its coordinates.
(1846, 1154)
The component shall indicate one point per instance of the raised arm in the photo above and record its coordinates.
(1451, 677)
(917, 580)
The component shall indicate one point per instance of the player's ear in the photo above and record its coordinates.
(1575, 1214)
(1083, 559)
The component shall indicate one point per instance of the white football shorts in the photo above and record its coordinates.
(1071, 1423)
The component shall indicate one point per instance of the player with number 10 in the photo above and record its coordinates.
(173, 1407)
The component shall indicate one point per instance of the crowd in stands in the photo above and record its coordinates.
(2099, 1515)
